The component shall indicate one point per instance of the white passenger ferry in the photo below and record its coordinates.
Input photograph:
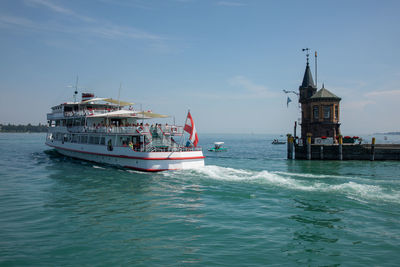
(107, 131)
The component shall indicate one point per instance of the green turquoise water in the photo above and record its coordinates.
(248, 207)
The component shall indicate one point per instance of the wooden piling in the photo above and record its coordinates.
(308, 146)
(373, 149)
(321, 154)
(340, 147)
(289, 146)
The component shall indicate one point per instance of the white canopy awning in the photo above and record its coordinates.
(152, 115)
(109, 100)
(118, 113)
(129, 114)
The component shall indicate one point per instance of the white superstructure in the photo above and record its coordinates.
(101, 130)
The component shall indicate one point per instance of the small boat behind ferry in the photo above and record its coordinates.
(218, 146)
(277, 142)
(110, 131)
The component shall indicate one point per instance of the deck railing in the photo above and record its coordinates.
(151, 148)
(164, 130)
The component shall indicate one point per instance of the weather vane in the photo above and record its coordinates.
(307, 53)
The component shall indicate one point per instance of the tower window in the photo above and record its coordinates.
(336, 113)
(327, 112)
(316, 112)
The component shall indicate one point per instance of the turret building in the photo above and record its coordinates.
(320, 110)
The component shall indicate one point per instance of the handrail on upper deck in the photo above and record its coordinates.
(137, 130)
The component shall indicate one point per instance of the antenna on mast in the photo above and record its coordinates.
(119, 93)
(76, 88)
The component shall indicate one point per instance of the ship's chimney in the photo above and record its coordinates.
(87, 96)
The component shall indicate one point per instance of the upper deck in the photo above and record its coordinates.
(69, 110)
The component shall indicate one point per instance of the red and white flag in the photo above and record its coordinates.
(191, 129)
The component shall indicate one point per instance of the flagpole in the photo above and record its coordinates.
(316, 80)
(183, 132)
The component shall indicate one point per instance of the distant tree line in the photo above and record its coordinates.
(390, 133)
(11, 128)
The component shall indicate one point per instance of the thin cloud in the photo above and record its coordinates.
(59, 9)
(185, 1)
(12, 21)
(246, 90)
(357, 105)
(128, 3)
(90, 26)
(114, 31)
(229, 3)
(107, 31)
(253, 90)
(390, 93)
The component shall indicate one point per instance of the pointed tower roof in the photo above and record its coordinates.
(307, 79)
(324, 93)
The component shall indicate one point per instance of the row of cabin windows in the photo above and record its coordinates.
(68, 123)
(95, 140)
(57, 109)
(81, 139)
(326, 112)
(77, 108)
(79, 122)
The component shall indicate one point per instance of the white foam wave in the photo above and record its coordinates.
(312, 176)
(362, 179)
(137, 172)
(98, 167)
(364, 191)
(224, 173)
(350, 189)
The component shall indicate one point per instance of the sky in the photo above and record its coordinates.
(228, 61)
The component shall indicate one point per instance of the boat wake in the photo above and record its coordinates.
(351, 187)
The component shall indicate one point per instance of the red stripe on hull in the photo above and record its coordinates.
(123, 156)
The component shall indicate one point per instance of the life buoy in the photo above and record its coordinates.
(139, 129)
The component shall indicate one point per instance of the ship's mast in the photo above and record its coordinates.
(119, 93)
(76, 88)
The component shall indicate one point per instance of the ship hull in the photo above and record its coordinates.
(128, 158)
